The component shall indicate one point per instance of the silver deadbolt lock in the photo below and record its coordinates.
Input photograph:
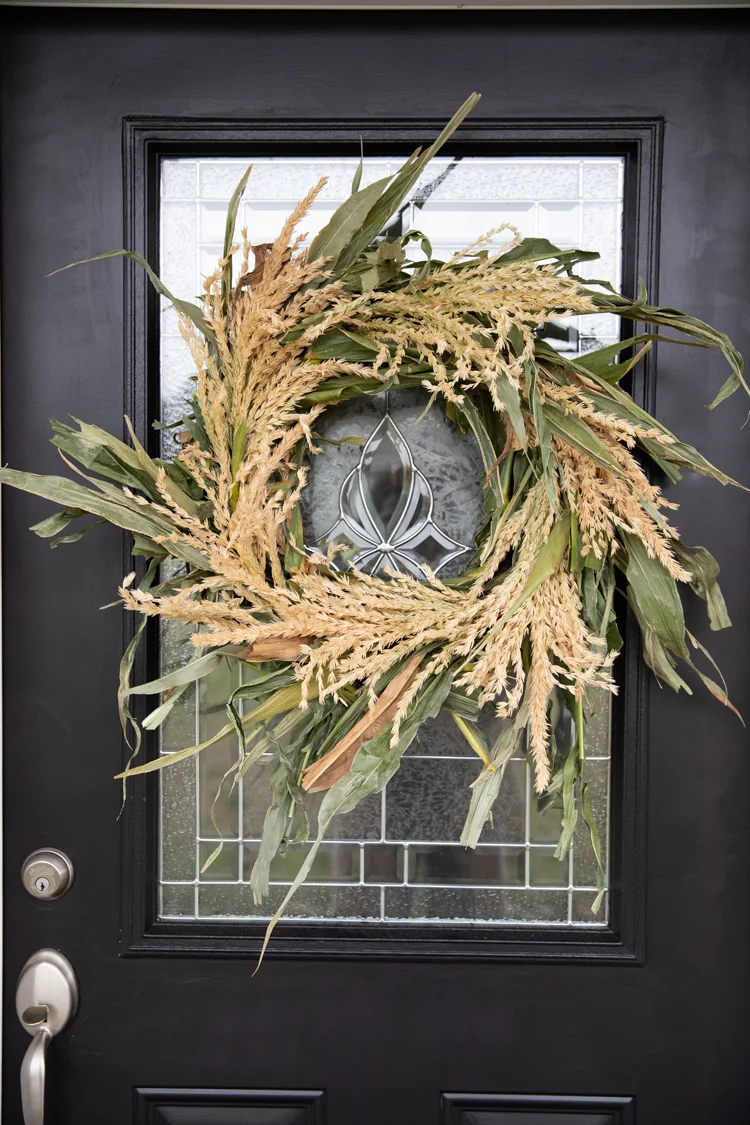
(47, 873)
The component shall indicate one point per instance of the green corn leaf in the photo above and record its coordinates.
(486, 788)
(719, 691)
(600, 361)
(337, 344)
(155, 718)
(687, 457)
(656, 656)
(75, 535)
(655, 593)
(100, 452)
(145, 548)
(374, 765)
(128, 721)
(293, 743)
(346, 221)
(57, 523)
(575, 431)
(612, 399)
(388, 201)
(264, 684)
(601, 876)
(121, 512)
(614, 637)
(545, 564)
(672, 318)
(286, 699)
(180, 497)
(542, 433)
(294, 553)
(615, 401)
(705, 570)
(570, 774)
(188, 674)
(238, 447)
(357, 178)
(474, 737)
(126, 668)
(232, 209)
(540, 249)
(461, 704)
(275, 825)
(593, 602)
(530, 250)
(187, 308)
(487, 450)
(511, 400)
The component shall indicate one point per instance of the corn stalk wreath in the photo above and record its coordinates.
(347, 666)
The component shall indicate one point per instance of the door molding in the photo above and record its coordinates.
(463, 1109)
(157, 1106)
(145, 142)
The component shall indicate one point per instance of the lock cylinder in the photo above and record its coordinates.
(47, 873)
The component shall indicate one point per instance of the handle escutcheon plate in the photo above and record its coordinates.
(46, 1002)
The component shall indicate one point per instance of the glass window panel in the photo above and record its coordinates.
(178, 818)
(396, 857)
(545, 870)
(581, 913)
(334, 863)
(428, 800)
(383, 863)
(325, 903)
(218, 801)
(225, 867)
(450, 864)
(177, 901)
(489, 906)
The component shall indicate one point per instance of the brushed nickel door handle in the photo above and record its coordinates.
(46, 1002)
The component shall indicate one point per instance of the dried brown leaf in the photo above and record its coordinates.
(275, 648)
(338, 761)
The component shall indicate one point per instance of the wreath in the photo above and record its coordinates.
(346, 665)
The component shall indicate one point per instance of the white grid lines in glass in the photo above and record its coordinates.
(395, 859)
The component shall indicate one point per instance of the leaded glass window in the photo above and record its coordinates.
(403, 490)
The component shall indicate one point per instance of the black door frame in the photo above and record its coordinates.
(145, 142)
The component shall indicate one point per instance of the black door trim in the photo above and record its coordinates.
(145, 142)
(494, 1107)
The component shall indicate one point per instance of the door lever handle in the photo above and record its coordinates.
(46, 1002)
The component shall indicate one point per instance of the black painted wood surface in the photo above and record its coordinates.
(384, 1037)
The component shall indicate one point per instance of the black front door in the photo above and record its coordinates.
(410, 984)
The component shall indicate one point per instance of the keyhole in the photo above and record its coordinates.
(42, 884)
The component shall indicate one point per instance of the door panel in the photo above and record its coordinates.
(646, 1012)
(478, 1109)
(229, 1107)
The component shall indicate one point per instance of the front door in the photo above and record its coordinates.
(411, 982)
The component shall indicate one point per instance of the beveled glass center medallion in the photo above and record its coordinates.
(407, 486)
(386, 507)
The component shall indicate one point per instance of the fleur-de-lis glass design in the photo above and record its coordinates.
(385, 512)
